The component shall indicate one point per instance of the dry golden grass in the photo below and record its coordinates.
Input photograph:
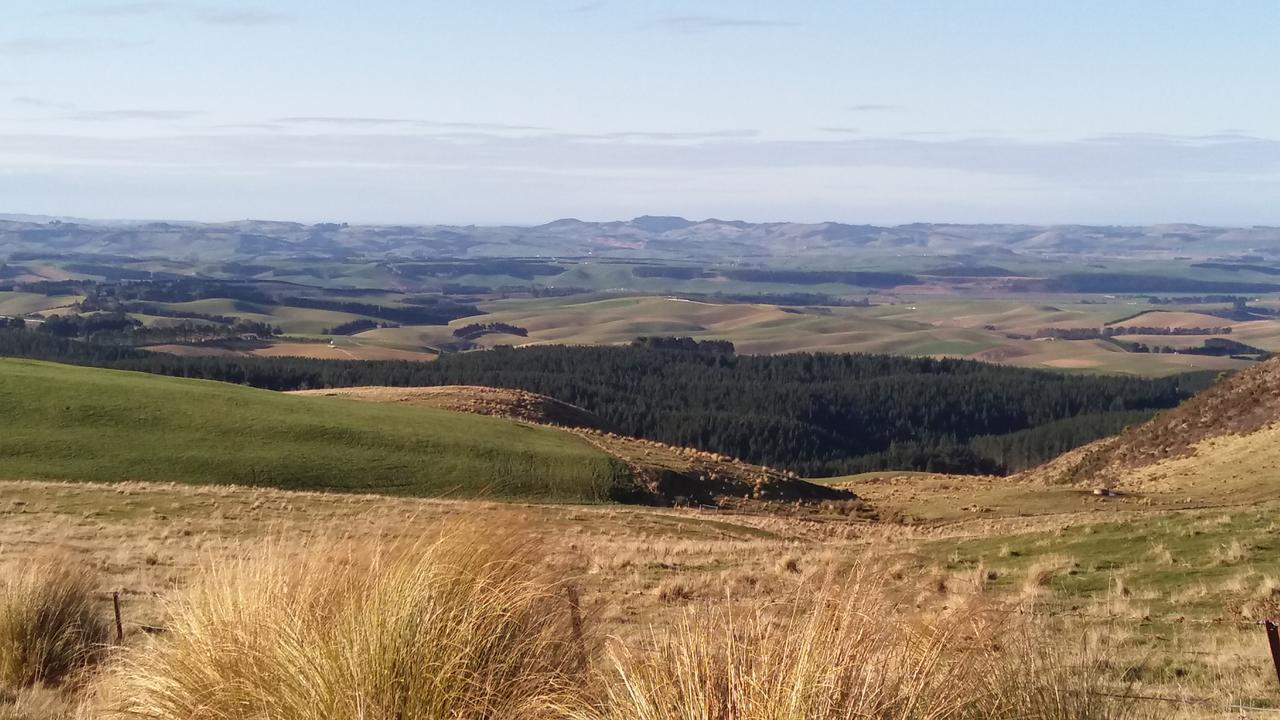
(847, 651)
(51, 628)
(465, 625)
(153, 542)
(1041, 572)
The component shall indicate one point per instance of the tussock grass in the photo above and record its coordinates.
(464, 625)
(1044, 570)
(51, 625)
(849, 654)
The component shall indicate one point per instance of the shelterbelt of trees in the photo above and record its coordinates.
(816, 414)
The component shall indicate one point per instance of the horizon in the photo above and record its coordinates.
(32, 217)
(502, 113)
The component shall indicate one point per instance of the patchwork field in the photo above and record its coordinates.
(983, 324)
(978, 329)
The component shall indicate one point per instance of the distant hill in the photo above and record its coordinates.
(648, 236)
(1223, 441)
(63, 422)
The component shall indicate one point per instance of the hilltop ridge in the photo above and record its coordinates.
(646, 236)
(1225, 432)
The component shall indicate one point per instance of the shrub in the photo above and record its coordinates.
(850, 654)
(455, 627)
(51, 626)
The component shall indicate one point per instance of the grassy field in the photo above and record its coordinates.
(70, 423)
(22, 303)
(1163, 593)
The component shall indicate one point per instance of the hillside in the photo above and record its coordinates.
(667, 474)
(1224, 434)
(71, 423)
(500, 402)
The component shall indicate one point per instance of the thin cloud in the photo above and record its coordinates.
(840, 130)
(346, 121)
(125, 9)
(709, 23)
(626, 135)
(209, 15)
(1078, 163)
(336, 120)
(41, 103)
(246, 126)
(243, 18)
(109, 115)
(872, 107)
(35, 45)
(480, 126)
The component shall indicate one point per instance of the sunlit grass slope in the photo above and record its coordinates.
(62, 422)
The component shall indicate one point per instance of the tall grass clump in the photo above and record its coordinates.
(850, 654)
(51, 625)
(458, 626)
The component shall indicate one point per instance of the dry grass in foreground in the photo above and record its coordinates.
(849, 653)
(51, 629)
(643, 572)
(461, 626)
(467, 626)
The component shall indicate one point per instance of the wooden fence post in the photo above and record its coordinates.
(115, 601)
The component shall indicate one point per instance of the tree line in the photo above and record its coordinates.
(1111, 331)
(117, 328)
(816, 414)
(477, 330)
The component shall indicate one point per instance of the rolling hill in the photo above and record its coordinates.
(1222, 443)
(71, 423)
(666, 474)
(648, 237)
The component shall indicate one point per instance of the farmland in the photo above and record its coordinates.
(1020, 311)
(69, 423)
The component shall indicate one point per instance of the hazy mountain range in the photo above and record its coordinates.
(642, 237)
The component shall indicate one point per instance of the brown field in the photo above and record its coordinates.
(317, 350)
(1176, 320)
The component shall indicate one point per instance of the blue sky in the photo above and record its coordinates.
(494, 111)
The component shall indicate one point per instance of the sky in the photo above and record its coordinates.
(524, 111)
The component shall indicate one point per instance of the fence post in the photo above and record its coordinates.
(115, 601)
(1273, 639)
(575, 620)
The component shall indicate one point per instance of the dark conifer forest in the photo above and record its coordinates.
(816, 414)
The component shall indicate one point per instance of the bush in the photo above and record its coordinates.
(851, 654)
(51, 626)
(456, 627)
